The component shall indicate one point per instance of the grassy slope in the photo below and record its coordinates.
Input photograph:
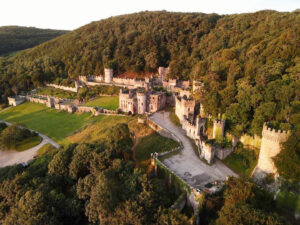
(105, 102)
(242, 161)
(98, 130)
(153, 143)
(53, 123)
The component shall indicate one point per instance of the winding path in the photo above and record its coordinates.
(186, 164)
(9, 158)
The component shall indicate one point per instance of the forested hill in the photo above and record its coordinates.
(250, 63)
(15, 38)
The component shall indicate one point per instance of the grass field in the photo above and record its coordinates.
(28, 143)
(242, 160)
(105, 102)
(53, 123)
(153, 143)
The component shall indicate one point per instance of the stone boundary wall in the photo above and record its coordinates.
(153, 125)
(62, 104)
(65, 88)
(222, 153)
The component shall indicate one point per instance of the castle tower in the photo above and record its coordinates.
(219, 127)
(184, 107)
(270, 147)
(141, 102)
(162, 72)
(108, 75)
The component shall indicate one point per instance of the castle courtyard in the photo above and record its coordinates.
(186, 164)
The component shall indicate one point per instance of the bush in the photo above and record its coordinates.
(12, 135)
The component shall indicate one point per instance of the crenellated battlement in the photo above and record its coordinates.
(272, 134)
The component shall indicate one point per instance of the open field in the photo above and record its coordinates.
(242, 160)
(105, 102)
(53, 123)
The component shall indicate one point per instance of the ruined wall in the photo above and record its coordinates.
(270, 147)
(206, 151)
(14, 101)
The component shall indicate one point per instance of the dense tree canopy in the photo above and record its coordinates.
(15, 38)
(86, 184)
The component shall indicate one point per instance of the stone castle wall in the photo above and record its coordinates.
(72, 89)
(270, 147)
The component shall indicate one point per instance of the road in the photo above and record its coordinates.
(186, 164)
(9, 158)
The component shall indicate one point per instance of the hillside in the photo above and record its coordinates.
(249, 63)
(16, 38)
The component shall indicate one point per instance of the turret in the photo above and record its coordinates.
(270, 147)
(142, 102)
(219, 127)
(108, 75)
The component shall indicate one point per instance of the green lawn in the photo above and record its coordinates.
(242, 160)
(53, 123)
(105, 102)
(153, 143)
(28, 143)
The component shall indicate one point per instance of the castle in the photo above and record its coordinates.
(140, 101)
(138, 97)
(270, 147)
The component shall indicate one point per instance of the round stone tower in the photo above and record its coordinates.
(142, 102)
(108, 75)
(219, 127)
(270, 147)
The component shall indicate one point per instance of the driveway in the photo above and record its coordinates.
(9, 158)
(186, 164)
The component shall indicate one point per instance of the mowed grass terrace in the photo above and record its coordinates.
(53, 123)
(105, 102)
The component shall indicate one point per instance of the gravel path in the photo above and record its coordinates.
(187, 164)
(9, 158)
